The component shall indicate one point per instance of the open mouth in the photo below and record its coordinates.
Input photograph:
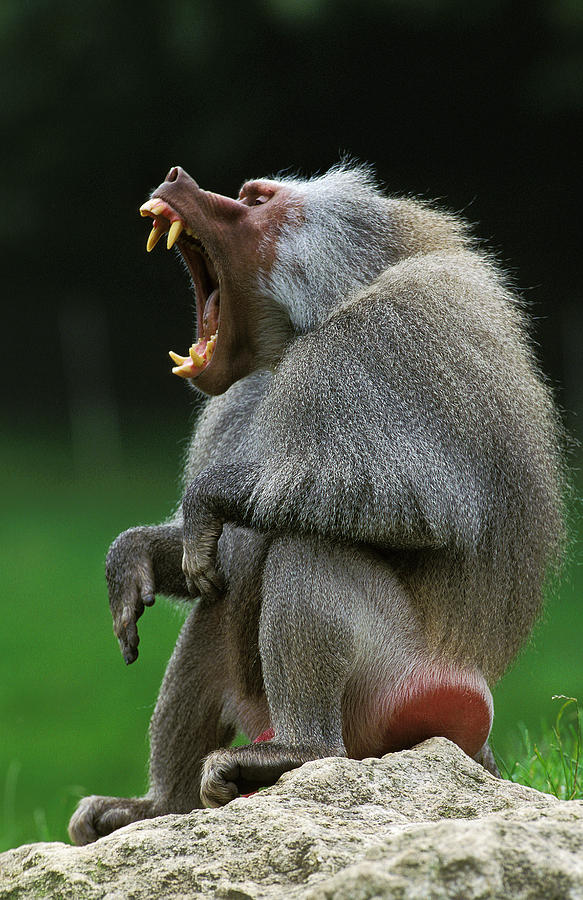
(204, 277)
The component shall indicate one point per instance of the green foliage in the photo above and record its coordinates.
(73, 718)
(554, 763)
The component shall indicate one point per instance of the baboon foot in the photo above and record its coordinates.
(219, 779)
(239, 771)
(97, 816)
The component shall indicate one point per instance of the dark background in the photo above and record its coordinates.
(473, 103)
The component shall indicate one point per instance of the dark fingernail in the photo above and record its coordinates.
(149, 600)
(129, 656)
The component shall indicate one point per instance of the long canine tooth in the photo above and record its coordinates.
(179, 360)
(182, 371)
(175, 231)
(154, 236)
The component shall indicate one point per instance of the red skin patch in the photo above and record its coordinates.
(266, 735)
(460, 712)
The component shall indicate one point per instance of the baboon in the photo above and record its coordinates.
(373, 494)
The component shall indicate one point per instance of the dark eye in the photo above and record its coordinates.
(256, 193)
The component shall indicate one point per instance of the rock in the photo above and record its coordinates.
(424, 823)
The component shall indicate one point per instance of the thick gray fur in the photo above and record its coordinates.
(389, 493)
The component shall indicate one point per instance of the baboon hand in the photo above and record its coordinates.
(130, 579)
(199, 563)
(202, 530)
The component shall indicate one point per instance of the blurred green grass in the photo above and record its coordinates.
(73, 717)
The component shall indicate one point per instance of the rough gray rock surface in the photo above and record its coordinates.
(425, 823)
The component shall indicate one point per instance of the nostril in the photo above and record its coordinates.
(179, 177)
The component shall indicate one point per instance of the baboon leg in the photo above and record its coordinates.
(346, 670)
(192, 717)
(307, 647)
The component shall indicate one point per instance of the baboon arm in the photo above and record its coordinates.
(350, 442)
(339, 446)
(141, 563)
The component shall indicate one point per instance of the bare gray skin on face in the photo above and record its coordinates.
(372, 498)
